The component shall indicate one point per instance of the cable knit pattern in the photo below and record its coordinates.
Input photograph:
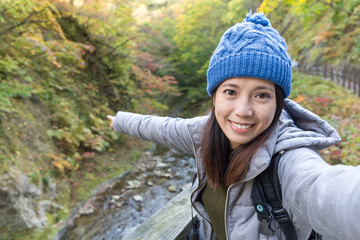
(252, 48)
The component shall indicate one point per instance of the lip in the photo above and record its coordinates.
(240, 130)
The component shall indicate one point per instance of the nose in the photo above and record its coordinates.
(243, 108)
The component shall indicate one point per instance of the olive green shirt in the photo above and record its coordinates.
(214, 201)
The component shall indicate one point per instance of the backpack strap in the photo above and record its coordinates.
(267, 191)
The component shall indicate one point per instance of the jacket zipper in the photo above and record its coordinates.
(197, 172)
(226, 204)
(226, 201)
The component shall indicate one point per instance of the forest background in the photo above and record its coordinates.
(65, 65)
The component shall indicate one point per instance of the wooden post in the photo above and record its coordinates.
(356, 80)
(345, 78)
(171, 222)
(350, 76)
(340, 78)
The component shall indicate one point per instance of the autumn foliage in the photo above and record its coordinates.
(80, 60)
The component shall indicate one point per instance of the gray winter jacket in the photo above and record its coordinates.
(315, 194)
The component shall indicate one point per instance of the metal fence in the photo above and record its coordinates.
(346, 77)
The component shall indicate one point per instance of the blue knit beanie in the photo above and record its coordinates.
(252, 48)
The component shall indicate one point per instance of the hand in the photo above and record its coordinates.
(111, 118)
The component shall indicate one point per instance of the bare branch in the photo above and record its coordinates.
(23, 22)
(118, 46)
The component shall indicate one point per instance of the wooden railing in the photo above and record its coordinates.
(171, 222)
(348, 77)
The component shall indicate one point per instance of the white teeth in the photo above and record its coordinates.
(240, 126)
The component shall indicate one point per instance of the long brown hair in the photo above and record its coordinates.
(224, 166)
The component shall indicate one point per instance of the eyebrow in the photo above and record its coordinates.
(230, 85)
(257, 88)
(265, 88)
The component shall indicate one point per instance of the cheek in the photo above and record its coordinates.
(269, 115)
(221, 111)
(217, 115)
(221, 116)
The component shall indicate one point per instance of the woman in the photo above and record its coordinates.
(249, 79)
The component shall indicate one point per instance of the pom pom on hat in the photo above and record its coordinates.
(252, 48)
(257, 19)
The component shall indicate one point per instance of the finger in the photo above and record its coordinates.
(111, 118)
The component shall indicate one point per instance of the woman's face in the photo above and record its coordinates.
(244, 108)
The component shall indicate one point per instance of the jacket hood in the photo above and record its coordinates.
(297, 128)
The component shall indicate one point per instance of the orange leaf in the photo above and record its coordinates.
(61, 165)
(299, 99)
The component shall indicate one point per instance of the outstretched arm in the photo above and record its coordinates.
(326, 197)
(178, 133)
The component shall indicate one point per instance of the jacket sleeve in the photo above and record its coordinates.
(320, 195)
(177, 133)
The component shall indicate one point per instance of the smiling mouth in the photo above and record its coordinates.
(241, 126)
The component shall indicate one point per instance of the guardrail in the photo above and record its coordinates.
(171, 222)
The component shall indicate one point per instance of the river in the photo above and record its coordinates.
(124, 203)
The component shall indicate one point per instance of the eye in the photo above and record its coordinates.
(263, 95)
(230, 92)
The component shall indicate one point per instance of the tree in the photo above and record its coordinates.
(196, 33)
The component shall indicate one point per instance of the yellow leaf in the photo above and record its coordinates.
(76, 167)
(61, 165)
